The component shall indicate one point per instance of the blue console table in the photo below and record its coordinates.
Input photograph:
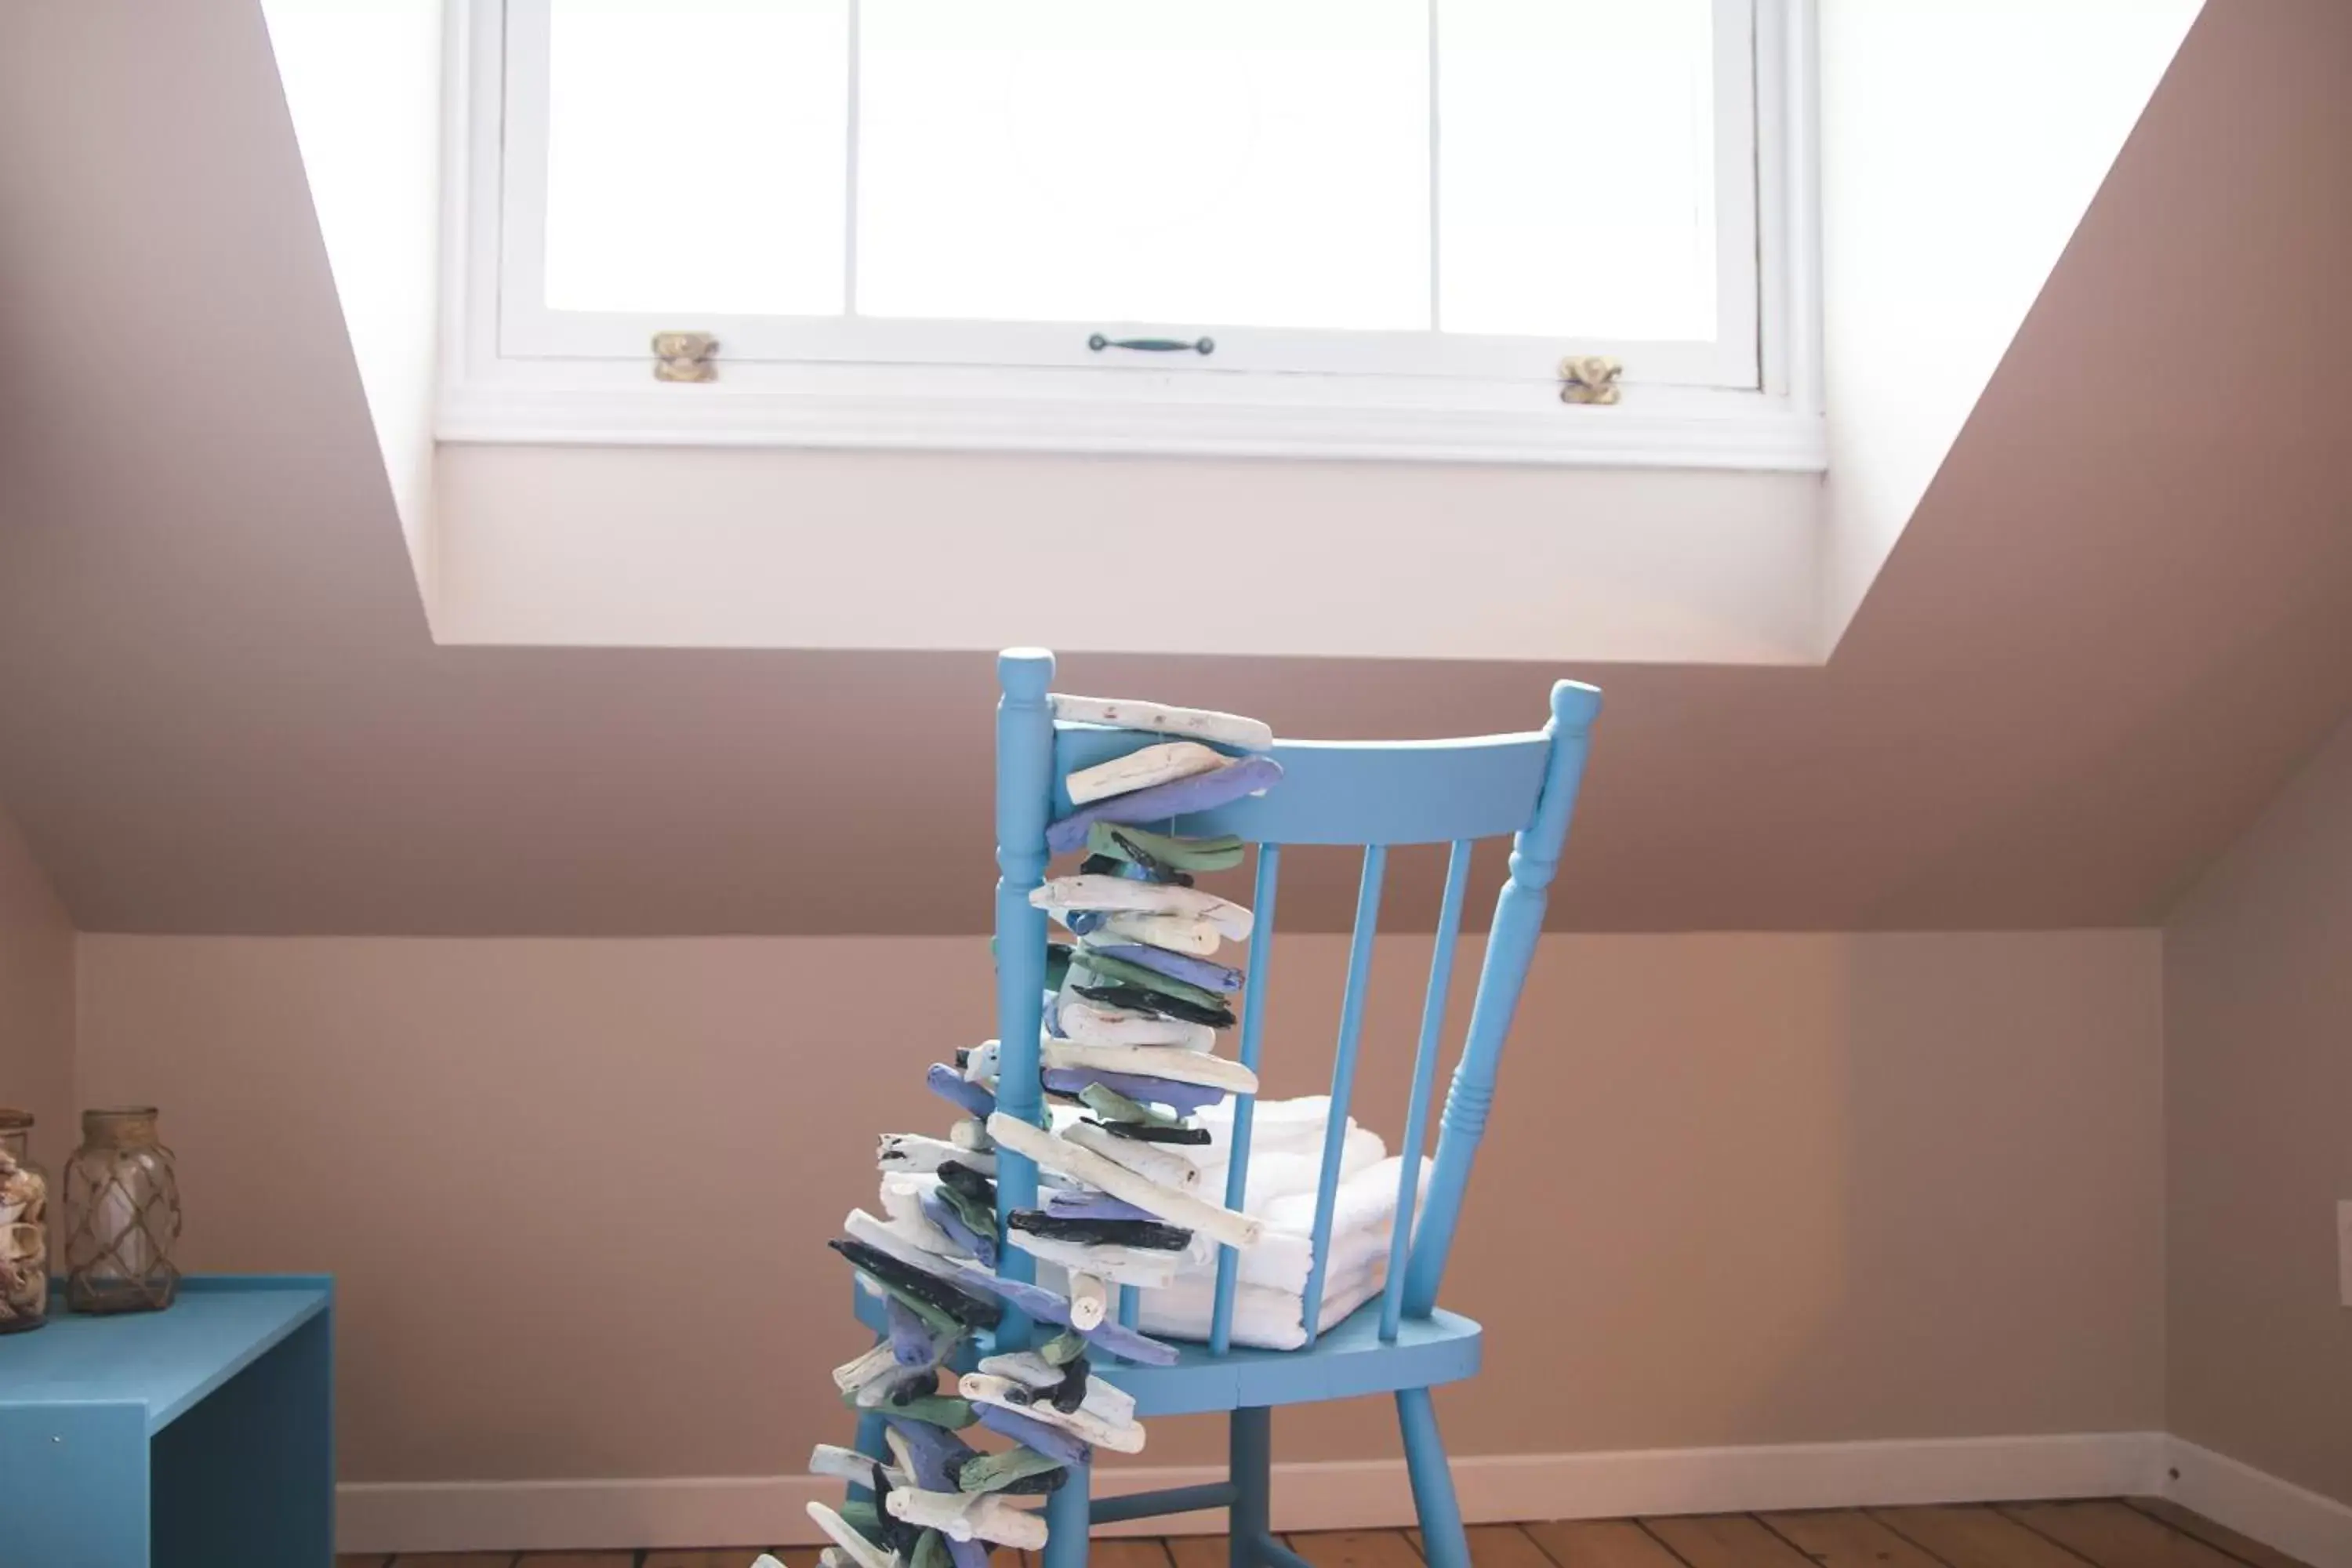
(202, 1437)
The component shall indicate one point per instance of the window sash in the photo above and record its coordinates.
(527, 329)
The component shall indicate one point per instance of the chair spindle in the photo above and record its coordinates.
(1252, 1043)
(1343, 1075)
(1424, 1080)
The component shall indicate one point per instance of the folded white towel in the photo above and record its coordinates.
(1361, 1210)
(1286, 1166)
(1264, 1319)
(1278, 1126)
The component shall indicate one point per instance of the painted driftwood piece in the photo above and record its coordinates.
(1039, 1376)
(1155, 988)
(1180, 797)
(1147, 1061)
(849, 1465)
(1152, 1161)
(1091, 1023)
(1169, 933)
(852, 1375)
(1050, 1307)
(1014, 1469)
(987, 1391)
(971, 1516)
(1116, 1265)
(1216, 978)
(1160, 719)
(1126, 841)
(1182, 1099)
(1053, 1441)
(904, 1203)
(1085, 1203)
(914, 1153)
(1159, 765)
(979, 1064)
(1089, 1302)
(1054, 1154)
(960, 1091)
(853, 1546)
(1125, 895)
(945, 1217)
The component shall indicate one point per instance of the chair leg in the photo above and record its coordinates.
(1442, 1541)
(1066, 1522)
(872, 1443)
(1250, 1458)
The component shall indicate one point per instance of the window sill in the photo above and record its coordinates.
(1293, 417)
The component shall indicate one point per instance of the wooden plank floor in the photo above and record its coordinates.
(2132, 1533)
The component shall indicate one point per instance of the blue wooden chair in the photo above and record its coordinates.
(1372, 796)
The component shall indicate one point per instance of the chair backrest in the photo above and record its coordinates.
(1374, 795)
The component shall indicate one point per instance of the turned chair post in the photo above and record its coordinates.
(1510, 950)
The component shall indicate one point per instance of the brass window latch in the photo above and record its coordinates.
(1589, 378)
(684, 356)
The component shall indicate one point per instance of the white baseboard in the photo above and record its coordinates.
(2303, 1524)
(457, 1516)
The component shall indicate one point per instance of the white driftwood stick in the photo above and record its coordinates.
(1028, 1368)
(1150, 1062)
(917, 1155)
(902, 1451)
(859, 1225)
(1120, 1436)
(969, 1138)
(1158, 1163)
(1035, 1373)
(1174, 934)
(1159, 719)
(1139, 1266)
(852, 1374)
(862, 1552)
(1158, 764)
(1088, 1023)
(1221, 1225)
(902, 1201)
(1123, 894)
(969, 1516)
(1107, 1402)
(876, 1394)
(849, 1465)
(1089, 1304)
(979, 1063)
(834, 1557)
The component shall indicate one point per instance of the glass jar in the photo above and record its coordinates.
(122, 1216)
(24, 1229)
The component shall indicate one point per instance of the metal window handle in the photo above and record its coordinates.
(1153, 345)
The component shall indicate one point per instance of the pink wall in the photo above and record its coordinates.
(36, 998)
(2258, 1060)
(1741, 1189)
(2123, 609)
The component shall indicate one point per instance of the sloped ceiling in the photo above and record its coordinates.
(2122, 611)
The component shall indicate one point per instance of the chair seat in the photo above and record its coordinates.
(1346, 1360)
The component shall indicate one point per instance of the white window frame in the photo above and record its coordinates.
(515, 371)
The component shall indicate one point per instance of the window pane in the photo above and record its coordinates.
(1190, 162)
(1576, 159)
(696, 155)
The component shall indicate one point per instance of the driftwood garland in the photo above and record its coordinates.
(1128, 1059)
